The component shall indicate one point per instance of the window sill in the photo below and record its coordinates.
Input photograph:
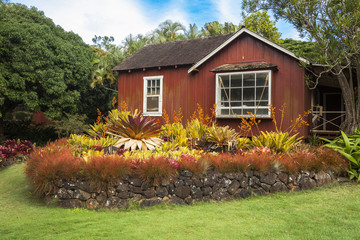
(152, 114)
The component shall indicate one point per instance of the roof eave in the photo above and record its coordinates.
(241, 31)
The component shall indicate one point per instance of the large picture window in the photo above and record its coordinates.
(241, 93)
(153, 96)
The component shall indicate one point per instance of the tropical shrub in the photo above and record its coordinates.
(196, 132)
(277, 141)
(156, 169)
(221, 136)
(174, 133)
(12, 149)
(83, 143)
(103, 170)
(349, 147)
(50, 164)
(197, 165)
(135, 132)
(243, 143)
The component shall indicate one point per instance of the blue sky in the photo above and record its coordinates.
(119, 18)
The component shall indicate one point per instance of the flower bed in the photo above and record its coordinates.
(111, 181)
(13, 151)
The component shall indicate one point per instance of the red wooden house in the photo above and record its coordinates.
(240, 72)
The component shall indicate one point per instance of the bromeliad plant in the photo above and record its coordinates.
(277, 141)
(349, 147)
(135, 132)
(221, 136)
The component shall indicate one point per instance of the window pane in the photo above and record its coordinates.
(249, 94)
(262, 112)
(249, 104)
(236, 104)
(148, 83)
(158, 83)
(224, 104)
(225, 94)
(224, 81)
(235, 94)
(262, 93)
(235, 112)
(262, 103)
(249, 79)
(236, 80)
(152, 104)
(250, 110)
(153, 82)
(148, 91)
(261, 79)
(157, 90)
(224, 112)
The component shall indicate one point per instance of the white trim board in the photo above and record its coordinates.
(237, 34)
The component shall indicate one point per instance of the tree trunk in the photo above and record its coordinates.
(352, 120)
(2, 134)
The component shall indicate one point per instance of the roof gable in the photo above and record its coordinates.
(186, 52)
(189, 52)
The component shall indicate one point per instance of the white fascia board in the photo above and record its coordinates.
(241, 31)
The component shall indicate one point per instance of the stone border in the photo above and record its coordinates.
(187, 188)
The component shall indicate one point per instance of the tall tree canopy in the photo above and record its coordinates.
(334, 25)
(260, 23)
(42, 67)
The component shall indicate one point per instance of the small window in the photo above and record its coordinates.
(153, 96)
(239, 94)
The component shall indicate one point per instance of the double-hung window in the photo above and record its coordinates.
(243, 93)
(153, 96)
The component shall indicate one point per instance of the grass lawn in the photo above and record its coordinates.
(326, 213)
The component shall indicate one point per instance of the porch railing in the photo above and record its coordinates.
(326, 122)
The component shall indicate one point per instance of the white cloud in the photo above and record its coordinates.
(227, 10)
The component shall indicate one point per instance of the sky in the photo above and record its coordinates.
(119, 18)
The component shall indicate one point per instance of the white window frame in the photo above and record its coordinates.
(218, 96)
(159, 113)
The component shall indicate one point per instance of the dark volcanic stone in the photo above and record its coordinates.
(234, 186)
(196, 193)
(284, 177)
(123, 195)
(92, 204)
(82, 195)
(135, 189)
(188, 182)
(150, 202)
(124, 187)
(209, 182)
(69, 186)
(268, 178)
(322, 178)
(84, 185)
(239, 177)
(179, 183)
(149, 193)
(254, 181)
(62, 193)
(188, 200)
(220, 194)
(116, 203)
(171, 189)
(186, 173)
(207, 191)
(259, 192)
(135, 182)
(101, 198)
(266, 187)
(161, 192)
(278, 187)
(198, 183)
(216, 187)
(230, 175)
(243, 193)
(225, 183)
(182, 191)
(307, 183)
(70, 203)
(111, 191)
(145, 186)
(175, 200)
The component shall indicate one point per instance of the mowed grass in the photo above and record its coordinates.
(332, 212)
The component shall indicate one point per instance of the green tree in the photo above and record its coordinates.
(42, 67)
(215, 28)
(168, 31)
(260, 23)
(302, 48)
(192, 32)
(334, 26)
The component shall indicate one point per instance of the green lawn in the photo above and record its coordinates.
(326, 213)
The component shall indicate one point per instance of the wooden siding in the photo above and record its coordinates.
(184, 90)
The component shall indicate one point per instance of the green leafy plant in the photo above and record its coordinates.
(83, 143)
(277, 141)
(349, 147)
(221, 136)
(174, 133)
(71, 124)
(243, 143)
(135, 132)
(196, 132)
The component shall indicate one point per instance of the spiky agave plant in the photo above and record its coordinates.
(135, 132)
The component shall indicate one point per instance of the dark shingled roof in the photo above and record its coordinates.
(243, 66)
(185, 52)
